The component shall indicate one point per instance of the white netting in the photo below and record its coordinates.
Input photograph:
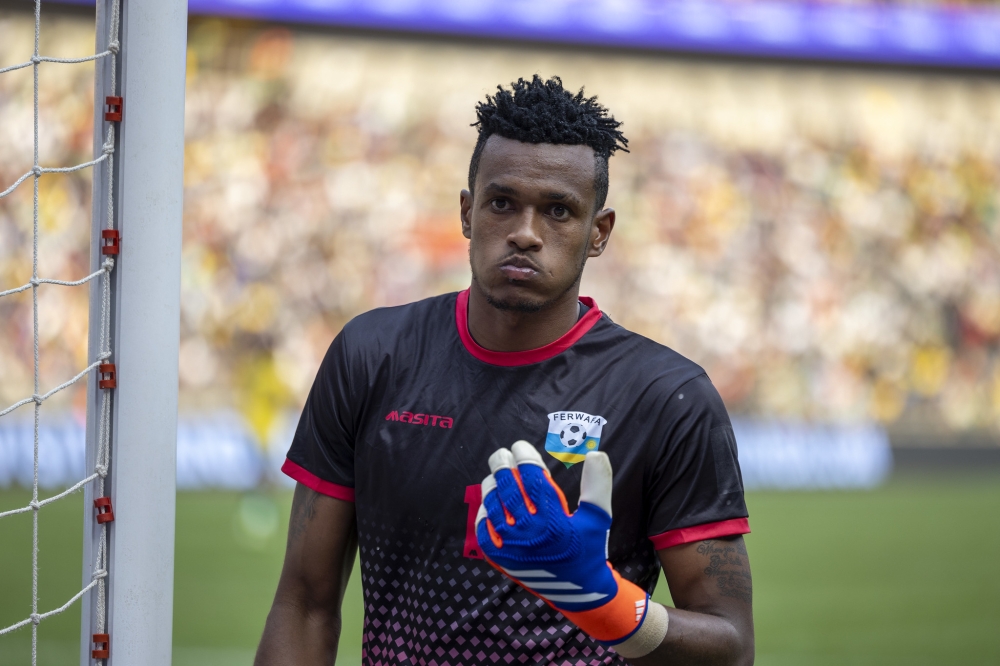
(104, 274)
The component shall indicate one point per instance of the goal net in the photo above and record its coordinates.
(131, 370)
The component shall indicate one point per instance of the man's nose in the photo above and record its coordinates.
(525, 234)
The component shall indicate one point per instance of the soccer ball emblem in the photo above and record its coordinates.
(573, 435)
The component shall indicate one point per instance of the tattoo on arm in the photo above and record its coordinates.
(730, 566)
(303, 511)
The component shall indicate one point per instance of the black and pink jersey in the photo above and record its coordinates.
(402, 418)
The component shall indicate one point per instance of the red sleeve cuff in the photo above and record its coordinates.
(310, 480)
(723, 528)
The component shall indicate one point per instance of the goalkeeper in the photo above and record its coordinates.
(607, 457)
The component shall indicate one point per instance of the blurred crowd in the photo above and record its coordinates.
(66, 118)
(826, 243)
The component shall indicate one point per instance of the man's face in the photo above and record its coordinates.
(532, 222)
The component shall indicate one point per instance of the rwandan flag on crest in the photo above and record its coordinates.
(572, 434)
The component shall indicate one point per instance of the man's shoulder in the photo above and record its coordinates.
(387, 325)
(644, 359)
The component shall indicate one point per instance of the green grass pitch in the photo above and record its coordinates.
(906, 574)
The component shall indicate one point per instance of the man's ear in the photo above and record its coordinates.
(465, 202)
(600, 232)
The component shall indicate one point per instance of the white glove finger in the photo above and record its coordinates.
(596, 480)
(526, 454)
(480, 515)
(501, 459)
(488, 485)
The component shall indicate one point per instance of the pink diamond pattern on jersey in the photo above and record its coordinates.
(427, 605)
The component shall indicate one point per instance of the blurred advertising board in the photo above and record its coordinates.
(218, 450)
(904, 33)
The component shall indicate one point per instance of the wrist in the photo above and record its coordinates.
(649, 635)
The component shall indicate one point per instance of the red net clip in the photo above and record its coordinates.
(102, 643)
(110, 239)
(114, 109)
(107, 379)
(105, 512)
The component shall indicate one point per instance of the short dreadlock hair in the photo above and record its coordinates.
(539, 111)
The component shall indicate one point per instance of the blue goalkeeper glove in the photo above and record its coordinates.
(525, 529)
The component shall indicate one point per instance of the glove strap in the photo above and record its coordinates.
(616, 620)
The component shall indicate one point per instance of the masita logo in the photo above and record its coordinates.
(572, 434)
(420, 419)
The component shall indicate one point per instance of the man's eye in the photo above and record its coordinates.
(560, 211)
(501, 204)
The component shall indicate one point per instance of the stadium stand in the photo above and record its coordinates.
(798, 232)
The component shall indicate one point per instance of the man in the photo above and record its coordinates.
(413, 404)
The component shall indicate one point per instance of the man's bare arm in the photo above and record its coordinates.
(303, 626)
(712, 623)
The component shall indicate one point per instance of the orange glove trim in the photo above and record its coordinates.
(616, 619)
(528, 504)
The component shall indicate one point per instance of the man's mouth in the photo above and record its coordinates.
(518, 268)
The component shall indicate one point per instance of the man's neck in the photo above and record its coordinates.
(510, 330)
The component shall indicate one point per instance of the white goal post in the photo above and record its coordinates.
(146, 210)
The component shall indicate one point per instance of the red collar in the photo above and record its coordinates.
(508, 359)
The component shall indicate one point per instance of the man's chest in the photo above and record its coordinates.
(459, 415)
(427, 433)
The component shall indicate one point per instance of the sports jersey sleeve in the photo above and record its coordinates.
(322, 452)
(696, 489)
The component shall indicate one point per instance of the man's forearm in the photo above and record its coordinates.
(295, 635)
